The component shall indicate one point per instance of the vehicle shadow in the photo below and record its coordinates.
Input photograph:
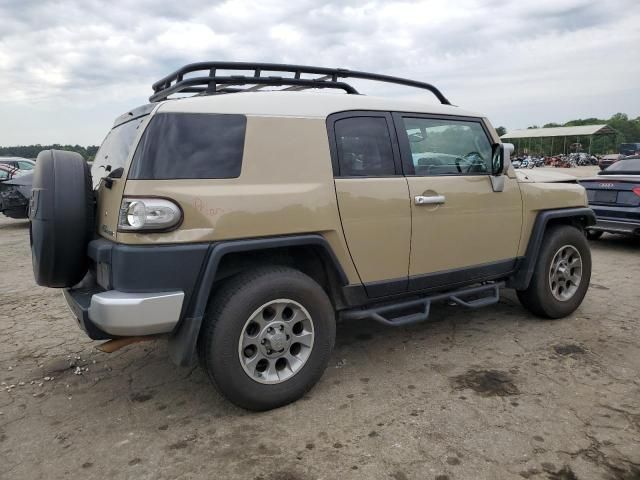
(620, 243)
(14, 224)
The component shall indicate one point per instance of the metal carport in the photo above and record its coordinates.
(556, 140)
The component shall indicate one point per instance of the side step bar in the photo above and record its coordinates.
(392, 314)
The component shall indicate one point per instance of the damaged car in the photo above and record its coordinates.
(15, 191)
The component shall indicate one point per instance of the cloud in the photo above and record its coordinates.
(68, 67)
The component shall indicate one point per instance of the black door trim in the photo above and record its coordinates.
(462, 276)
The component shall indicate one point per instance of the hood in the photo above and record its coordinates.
(538, 176)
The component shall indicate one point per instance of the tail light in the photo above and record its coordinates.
(636, 190)
(148, 214)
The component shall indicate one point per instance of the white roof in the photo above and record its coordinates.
(303, 104)
(559, 131)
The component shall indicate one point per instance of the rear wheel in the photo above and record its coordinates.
(267, 337)
(562, 274)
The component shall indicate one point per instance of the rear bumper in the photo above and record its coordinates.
(110, 313)
(617, 219)
(135, 290)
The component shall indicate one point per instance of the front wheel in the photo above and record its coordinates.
(267, 337)
(562, 274)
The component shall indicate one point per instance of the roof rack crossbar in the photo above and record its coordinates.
(201, 85)
(328, 78)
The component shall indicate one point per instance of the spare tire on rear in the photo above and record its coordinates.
(62, 211)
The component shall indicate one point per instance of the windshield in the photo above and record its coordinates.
(115, 149)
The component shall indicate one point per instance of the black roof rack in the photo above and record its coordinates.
(210, 83)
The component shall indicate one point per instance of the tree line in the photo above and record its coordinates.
(31, 151)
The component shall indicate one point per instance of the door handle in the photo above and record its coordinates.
(430, 200)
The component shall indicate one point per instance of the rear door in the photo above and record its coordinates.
(462, 230)
(373, 198)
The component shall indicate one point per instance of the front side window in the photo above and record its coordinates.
(447, 147)
(364, 147)
(190, 145)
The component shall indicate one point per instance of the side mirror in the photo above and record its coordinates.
(500, 161)
(501, 158)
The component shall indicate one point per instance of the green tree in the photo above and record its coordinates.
(501, 131)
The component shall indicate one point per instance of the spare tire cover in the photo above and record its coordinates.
(62, 210)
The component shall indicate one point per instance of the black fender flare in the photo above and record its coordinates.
(183, 341)
(525, 269)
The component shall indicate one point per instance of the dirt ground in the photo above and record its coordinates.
(473, 394)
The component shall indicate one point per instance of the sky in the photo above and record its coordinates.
(69, 67)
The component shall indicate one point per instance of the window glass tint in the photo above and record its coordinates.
(448, 147)
(190, 145)
(115, 149)
(364, 147)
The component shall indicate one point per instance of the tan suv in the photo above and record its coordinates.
(241, 223)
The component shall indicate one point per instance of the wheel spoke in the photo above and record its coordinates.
(305, 338)
(247, 340)
(293, 362)
(250, 363)
(298, 316)
(272, 373)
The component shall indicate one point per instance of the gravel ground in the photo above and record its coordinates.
(472, 394)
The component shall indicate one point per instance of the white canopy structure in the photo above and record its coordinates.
(556, 139)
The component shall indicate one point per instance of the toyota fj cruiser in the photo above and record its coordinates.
(241, 223)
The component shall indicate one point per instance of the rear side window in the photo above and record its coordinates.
(190, 145)
(364, 147)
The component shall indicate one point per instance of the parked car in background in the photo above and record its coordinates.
(18, 162)
(614, 196)
(630, 148)
(608, 160)
(15, 191)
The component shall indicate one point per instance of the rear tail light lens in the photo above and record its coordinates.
(636, 190)
(148, 214)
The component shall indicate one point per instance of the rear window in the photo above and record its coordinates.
(624, 166)
(190, 145)
(115, 149)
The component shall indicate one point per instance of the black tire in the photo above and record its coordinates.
(594, 234)
(62, 212)
(228, 311)
(538, 297)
